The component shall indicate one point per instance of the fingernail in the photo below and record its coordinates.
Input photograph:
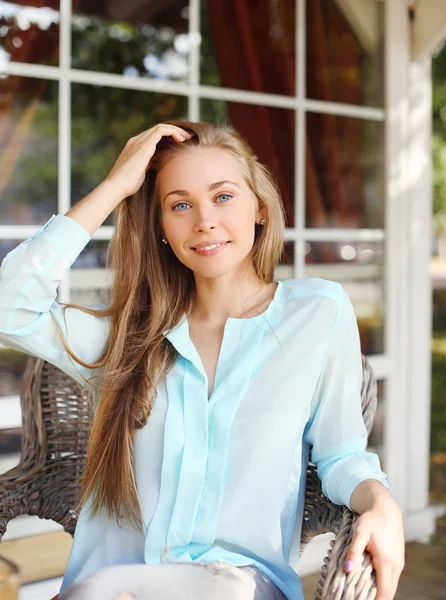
(182, 137)
(348, 566)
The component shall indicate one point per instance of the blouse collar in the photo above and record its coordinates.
(179, 335)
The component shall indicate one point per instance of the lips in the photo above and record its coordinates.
(209, 243)
(216, 249)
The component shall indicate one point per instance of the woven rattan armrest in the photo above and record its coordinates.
(47, 492)
(323, 516)
(335, 584)
(14, 497)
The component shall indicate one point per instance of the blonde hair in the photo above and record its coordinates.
(146, 300)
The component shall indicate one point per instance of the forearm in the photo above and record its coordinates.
(367, 494)
(91, 211)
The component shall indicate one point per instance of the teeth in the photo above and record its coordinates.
(209, 247)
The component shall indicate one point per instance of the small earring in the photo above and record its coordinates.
(164, 241)
(262, 222)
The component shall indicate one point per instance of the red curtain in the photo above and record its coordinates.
(255, 51)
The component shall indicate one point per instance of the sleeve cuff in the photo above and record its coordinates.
(64, 233)
(350, 471)
(369, 469)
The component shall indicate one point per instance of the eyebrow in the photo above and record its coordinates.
(212, 187)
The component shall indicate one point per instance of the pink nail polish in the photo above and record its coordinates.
(348, 566)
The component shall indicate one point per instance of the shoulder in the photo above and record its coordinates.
(311, 300)
(318, 306)
(313, 287)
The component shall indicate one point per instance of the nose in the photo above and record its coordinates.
(205, 220)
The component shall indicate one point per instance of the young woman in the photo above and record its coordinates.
(210, 380)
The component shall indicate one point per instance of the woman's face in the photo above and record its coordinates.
(192, 211)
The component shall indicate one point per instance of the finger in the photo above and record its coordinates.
(154, 137)
(165, 130)
(386, 581)
(355, 554)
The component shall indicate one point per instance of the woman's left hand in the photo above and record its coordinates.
(379, 530)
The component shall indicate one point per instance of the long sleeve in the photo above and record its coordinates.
(29, 277)
(336, 427)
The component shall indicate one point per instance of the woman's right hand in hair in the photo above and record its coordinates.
(129, 171)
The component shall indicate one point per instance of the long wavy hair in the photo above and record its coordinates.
(145, 300)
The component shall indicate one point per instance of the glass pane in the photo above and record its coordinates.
(92, 256)
(344, 172)
(12, 367)
(376, 437)
(359, 267)
(345, 49)
(89, 280)
(28, 150)
(30, 33)
(249, 46)
(285, 268)
(142, 39)
(270, 133)
(103, 119)
(6, 245)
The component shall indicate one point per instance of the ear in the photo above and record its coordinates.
(260, 213)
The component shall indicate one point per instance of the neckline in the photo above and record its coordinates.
(179, 336)
(182, 327)
(263, 314)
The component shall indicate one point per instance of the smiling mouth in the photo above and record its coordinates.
(211, 249)
(210, 246)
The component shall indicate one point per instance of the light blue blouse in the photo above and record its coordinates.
(222, 479)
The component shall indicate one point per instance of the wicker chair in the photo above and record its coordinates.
(56, 417)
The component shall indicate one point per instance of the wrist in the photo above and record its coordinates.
(114, 192)
(368, 494)
(383, 501)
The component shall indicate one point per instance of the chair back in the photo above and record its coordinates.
(56, 417)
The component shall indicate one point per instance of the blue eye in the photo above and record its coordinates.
(176, 205)
(185, 203)
(228, 195)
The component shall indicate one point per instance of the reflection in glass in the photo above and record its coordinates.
(256, 52)
(376, 437)
(138, 39)
(88, 296)
(7, 246)
(345, 49)
(89, 280)
(344, 172)
(12, 368)
(28, 150)
(103, 119)
(270, 133)
(285, 268)
(30, 33)
(359, 267)
(92, 256)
